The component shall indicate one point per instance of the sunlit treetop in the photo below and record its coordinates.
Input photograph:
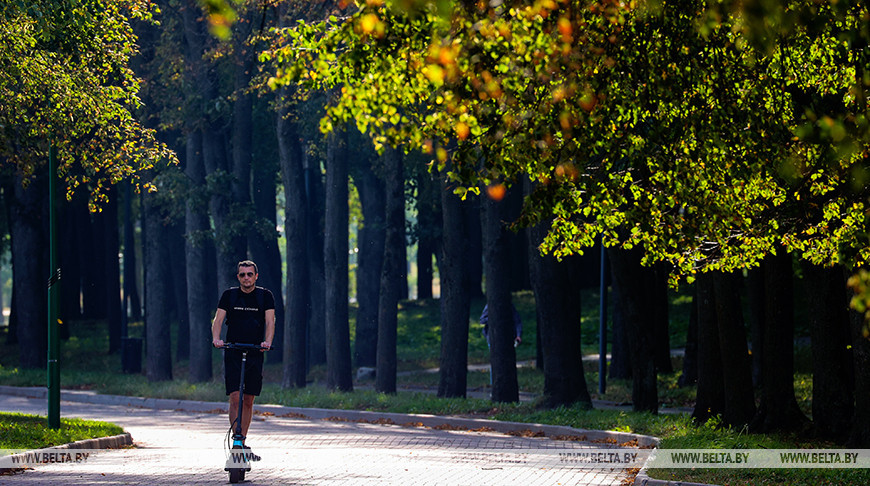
(707, 135)
(65, 80)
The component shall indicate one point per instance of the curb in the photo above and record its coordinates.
(111, 442)
(642, 479)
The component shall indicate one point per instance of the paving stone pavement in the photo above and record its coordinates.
(183, 443)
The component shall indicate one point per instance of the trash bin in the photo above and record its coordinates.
(131, 355)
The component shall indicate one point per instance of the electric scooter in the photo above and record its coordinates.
(238, 459)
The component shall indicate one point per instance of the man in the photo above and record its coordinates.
(518, 325)
(250, 316)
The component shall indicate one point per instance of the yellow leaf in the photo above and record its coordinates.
(462, 130)
(369, 22)
(496, 192)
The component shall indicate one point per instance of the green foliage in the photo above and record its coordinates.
(708, 134)
(21, 431)
(860, 285)
(65, 80)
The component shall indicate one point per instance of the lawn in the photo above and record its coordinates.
(22, 431)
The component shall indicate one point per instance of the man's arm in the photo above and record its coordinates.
(219, 316)
(270, 329)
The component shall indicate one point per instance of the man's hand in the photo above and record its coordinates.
(265, 346)
(217, 342)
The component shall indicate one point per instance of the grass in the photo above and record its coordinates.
(84, 364)
(22, 431)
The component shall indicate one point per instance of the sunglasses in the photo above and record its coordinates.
(248, 274)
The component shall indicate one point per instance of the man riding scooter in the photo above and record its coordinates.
(250, 317)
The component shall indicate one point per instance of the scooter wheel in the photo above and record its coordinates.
(237, 475)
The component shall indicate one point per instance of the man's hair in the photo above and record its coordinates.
(247, 263)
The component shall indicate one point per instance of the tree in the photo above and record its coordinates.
(427, 231)
(296, 214)
(497, 265)
(703, 135)
(263, 241)
(67, 81)
(157, 330)
(200, 289)
(112, 272)
(455, 293)
(392, 272)
(620, 361)
(724, 370)
(633, 282)
(778, 409)
(70, 256)
(557, 292)
(370, 237)
(28, 218)
(833, 363)
(338, 358)
(633, 143)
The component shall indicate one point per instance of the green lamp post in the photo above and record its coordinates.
(53, 289)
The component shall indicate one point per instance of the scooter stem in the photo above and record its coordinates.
(238, 435)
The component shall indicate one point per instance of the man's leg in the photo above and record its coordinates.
(234, 411)
(247, 410)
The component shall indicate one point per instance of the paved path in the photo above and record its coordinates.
(182, 443)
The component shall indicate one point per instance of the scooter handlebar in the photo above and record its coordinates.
(244, 346)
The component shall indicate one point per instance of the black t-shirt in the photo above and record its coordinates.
(246, 320)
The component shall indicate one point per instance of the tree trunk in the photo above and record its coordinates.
(70, 255)
(131, 287)
(557, 298)
(860, 434)
(242, 143)
(263, 243)
(738, 407)
(296, 214)
(711, 381)
(425, 250)
(372, 195)
(501, 333)
(690, 359)
(205, 279)
(112, 274)
(338, 359)
(474, 247)
(178, 305)
(518, 246)
(778, 411)
(403, 276)
(91, 243)
(201, 295)
(632, 280)
(221, 207)
(392, 273)
(317, 340)
(158, 346)
(755, 297)
(659, 304)
(455, 294)
(428, 231)
(620, 356)
(28, 226)
(833, 375)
